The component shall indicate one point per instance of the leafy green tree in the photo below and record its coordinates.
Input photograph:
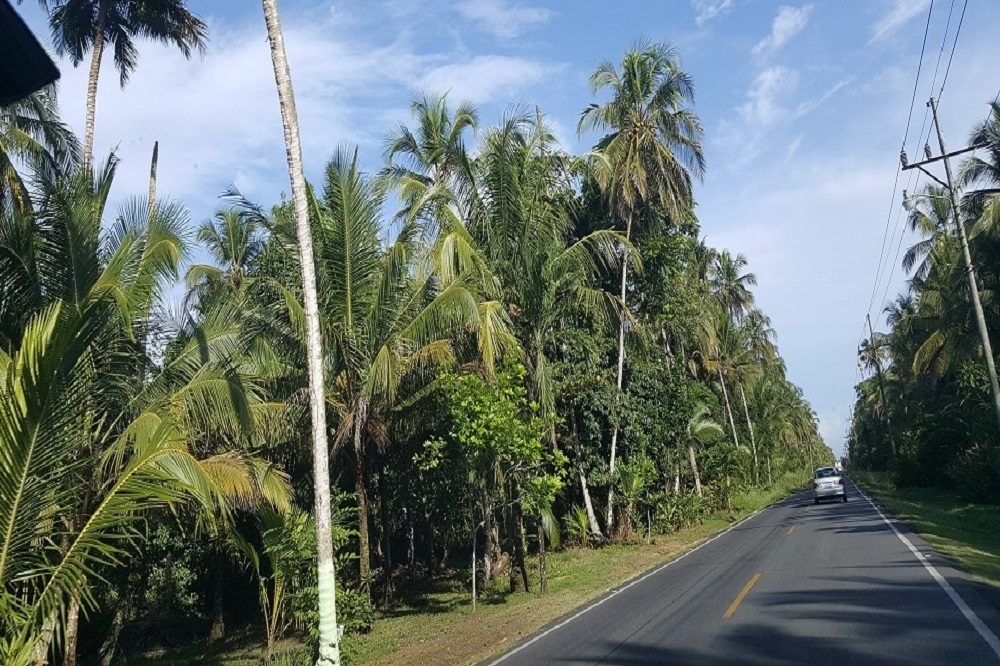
(648, 158)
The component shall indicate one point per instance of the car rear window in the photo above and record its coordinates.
(826, 472)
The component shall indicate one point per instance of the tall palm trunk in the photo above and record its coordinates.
(595, 527)
(72, 631)
(329, 633)
(694, 469)
(95, 72)
(151, 200)
(621, 374)
(729, 409)
(753, 440)
(361, 492)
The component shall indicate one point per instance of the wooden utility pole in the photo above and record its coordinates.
(977, 306)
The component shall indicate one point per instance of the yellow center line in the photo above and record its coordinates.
(791, 529)
(739, 597)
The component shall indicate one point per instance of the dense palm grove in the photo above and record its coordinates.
(524, 349)
(931, 418)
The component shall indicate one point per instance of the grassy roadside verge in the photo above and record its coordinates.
(435, 624)
(966, 532)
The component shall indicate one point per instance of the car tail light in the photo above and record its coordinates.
(840, 481)
(815, 486)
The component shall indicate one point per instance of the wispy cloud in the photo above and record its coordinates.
(788, 22)
(706, 10)
(763, 105)
(898, 15)
(485, 77)
(501, 18)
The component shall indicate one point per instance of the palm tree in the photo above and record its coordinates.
(730, 284)
(432, 158)
(32, 136)
(651, 151)
(329, 633)
(79, 26)
(234, 238)
(700, 430)
(980, 176)
(930, 219)
(72, 377)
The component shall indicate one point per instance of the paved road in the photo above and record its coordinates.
(797, 583)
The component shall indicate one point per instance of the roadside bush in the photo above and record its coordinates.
(676, 511)
(975, 474)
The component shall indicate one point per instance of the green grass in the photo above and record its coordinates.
(966, 532)
(433, 623)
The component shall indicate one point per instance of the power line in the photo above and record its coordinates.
(947, 70)
(895, 184)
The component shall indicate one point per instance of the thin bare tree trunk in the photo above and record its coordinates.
(753, 440)
(329, 632)
(72, 631)
(729, 409)
(364, 545)
(151, 199)
(621, 375)
(595, 527)
(677, 478)
(543, 574)
(694, 469)
(95, 72)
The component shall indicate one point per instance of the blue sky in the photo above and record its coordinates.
(804, 107)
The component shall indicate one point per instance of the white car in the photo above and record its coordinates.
(828, 483)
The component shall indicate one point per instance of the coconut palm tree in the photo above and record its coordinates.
(650, 153)
(328, 632)
(32, 137)
(730, 284)
(233, 238)
(82, 26)
(432, 158)
(930, 219)
(700, 429)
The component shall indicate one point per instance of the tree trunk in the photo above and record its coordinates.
(677, 478)
(95, 72)
(543, 575)
(72, 631)
(753, 440)
(621, 374)
(474, 530)
(329, 632)
(694, 469)
(385, 532)
(595, 527)
(364, 556)
(151, 199)
(218, 629)
(729, 409)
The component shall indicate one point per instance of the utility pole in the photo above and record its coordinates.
(881, 385)
(977, 306)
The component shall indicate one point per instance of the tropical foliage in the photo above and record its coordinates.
(925, 411)
(532, 335)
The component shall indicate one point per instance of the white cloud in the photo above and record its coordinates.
(485, 77)
(706, 10)
(788, 22)
(501, 18)
(763, 105)
(900, 14)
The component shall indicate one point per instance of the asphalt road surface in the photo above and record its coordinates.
(794, 584)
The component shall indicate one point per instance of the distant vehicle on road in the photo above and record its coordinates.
(828, 482)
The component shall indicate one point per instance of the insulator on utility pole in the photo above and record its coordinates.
(902, 157)
(927, 151)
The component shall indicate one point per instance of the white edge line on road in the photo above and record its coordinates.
(634, 581)
(970, 615)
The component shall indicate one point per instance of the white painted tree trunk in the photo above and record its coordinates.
(95, 72)
(694, 469)
(753, 440)
(595, 527)
(329, 632)
(729, 409)
(621, 373)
